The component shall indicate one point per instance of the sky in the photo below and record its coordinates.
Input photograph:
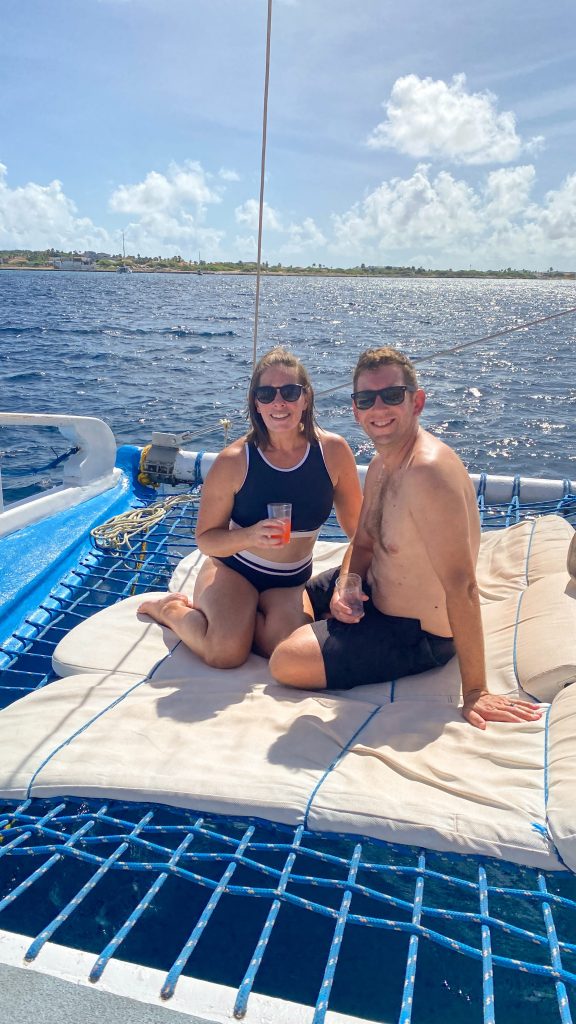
(399, 133)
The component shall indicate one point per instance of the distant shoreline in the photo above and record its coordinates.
(399, 274)
(104, 262)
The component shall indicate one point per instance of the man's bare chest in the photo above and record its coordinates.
(389, 521)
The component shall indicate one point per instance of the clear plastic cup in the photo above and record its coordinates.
(349, 588)
(283, 512)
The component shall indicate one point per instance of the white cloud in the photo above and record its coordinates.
(167, 215)
(304, 236)
(427, 118)
(496, 224)
(36, 216)
(557, 218)
(403, 212)
(180, 187)
(247, 214)
(159, 234)
(441, 217)
(228, 175)
(169, 211)
(508, 191)
(296, 239)
(245, 247)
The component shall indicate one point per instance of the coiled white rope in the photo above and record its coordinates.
(116, 533)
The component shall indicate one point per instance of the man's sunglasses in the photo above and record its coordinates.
(390, 396)
(266, 394)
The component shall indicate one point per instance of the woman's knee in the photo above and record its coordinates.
(270, 632)
(219, 654)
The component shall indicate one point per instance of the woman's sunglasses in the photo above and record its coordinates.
(266, 394)
(390, 396)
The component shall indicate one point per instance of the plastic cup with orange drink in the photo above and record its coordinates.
(282, 511)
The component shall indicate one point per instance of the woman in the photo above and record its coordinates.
(249, 593)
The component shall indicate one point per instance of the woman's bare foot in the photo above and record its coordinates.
(157, 607)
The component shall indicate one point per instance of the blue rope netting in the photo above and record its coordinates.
(496, 516)
(386, 933)
(349, 885)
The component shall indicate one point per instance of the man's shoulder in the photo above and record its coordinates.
(435, 462)
(432, 451)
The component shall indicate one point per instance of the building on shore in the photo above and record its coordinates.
(73, 263)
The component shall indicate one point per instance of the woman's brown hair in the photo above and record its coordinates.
(258, 434)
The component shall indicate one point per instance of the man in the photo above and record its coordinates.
(416, 548)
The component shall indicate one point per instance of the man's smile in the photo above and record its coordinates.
(382, 422)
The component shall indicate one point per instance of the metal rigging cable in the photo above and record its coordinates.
(262, 177)
(427, 357)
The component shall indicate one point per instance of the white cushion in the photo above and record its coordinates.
(418, 774)
(546, 637)
(562, 774)
(209, 743)
(571, 559)
(530, 640)
(410, 772)
(116, 639)
(184, 576)
(394, 761)
(511, 559)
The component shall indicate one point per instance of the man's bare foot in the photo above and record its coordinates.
(157, 607)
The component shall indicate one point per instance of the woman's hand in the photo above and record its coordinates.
(268, 533)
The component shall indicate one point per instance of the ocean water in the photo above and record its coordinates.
(174, 352)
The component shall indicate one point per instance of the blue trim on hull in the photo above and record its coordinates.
(33, 559)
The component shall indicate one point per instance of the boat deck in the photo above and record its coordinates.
(368, 930)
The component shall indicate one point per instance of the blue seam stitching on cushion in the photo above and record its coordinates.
(535, 825)
(95, 718)
(515, 644)
(336, 760)
(532, 531)
(546, 750)
(546, 786)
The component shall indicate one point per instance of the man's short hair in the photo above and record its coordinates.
(374, 358)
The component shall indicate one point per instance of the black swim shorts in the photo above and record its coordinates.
(377, 649)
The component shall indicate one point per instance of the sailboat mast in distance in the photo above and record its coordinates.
(123, 269)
